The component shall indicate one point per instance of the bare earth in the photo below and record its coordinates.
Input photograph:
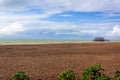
(46, 61)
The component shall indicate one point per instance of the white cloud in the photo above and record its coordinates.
(10, 12)
(90, 31)
(58, 28)
(96, 29)
(50, 7)
(115, 32)
(12, 5)
(12, 28)
(51, 26)
(108, 7)
(79, 5)
(10, 17)
(20, 26)
(62, 5)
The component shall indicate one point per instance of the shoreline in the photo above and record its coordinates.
(39, 43)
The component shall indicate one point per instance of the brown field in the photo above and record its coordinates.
(46, 61)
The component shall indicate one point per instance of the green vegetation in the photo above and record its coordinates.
(117, 75)
(94, 72)
(20, 75)
(66, 75)
(91, 73)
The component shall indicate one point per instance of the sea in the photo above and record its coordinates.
(12, 41)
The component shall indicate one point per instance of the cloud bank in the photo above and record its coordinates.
(18, 16)
(115, 31)
(12, 28)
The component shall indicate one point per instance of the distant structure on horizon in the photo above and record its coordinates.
(100, 39)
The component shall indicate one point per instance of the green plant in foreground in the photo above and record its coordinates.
(20, 75)
(92, 73)
(66, 75)
(117, 75)
(103, 77)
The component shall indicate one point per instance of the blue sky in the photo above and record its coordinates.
(59, 19)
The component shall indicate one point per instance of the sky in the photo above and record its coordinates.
(60, 19)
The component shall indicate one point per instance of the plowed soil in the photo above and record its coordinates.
(46, 61)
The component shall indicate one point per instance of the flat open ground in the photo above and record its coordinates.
(45, 61)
